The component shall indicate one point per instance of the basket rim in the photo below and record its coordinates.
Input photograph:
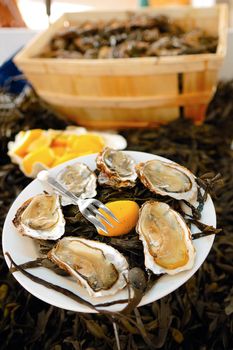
(23, 57)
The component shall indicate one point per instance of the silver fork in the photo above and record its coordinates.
(88, 207)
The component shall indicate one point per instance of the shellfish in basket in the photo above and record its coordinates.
(168, 179)
(117, 168)
(40, 217)
(98, 267)
(166, 239)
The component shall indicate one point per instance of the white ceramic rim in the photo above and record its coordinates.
(23, 249)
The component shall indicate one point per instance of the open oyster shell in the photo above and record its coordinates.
(76, 178)
(100, 268)
(40, 217)
(168, 179)
(117, 169)
(79, 179)
(166, 239)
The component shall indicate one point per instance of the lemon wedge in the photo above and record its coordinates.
(25, 140)
(43, 155)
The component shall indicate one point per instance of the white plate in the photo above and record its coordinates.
(23, 249)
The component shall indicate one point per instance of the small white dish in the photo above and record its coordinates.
(23, 249)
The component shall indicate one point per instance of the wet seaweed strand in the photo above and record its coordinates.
(198, 314)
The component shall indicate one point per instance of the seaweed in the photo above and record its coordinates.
(198, 315)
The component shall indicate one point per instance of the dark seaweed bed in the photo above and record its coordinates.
(196, 316)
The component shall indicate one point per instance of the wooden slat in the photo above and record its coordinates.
(119, 67)
(223, 24)
(128, 102)
(200, 82)
(105, 118)
(168, 2)
(107, 86)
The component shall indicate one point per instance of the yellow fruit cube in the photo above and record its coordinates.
(88, 143)
(21, 147)
(44, 155)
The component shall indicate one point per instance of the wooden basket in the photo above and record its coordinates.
(168, 2)
(132, 92)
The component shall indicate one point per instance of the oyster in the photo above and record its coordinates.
(117, 169)
(168, 179)
(76, 178)
(40, 217)
(100, 268)
(166, 239)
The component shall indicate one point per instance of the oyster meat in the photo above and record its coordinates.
(40, 217)
(117, 168)
(76, 178)
(168, 179)
(100, 268)
(166, 239)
